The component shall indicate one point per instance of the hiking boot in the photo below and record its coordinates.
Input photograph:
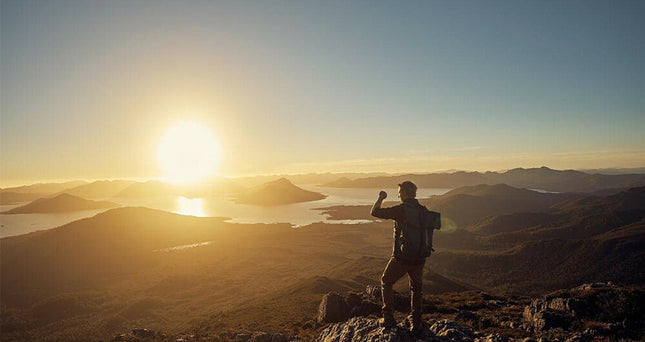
(387, 322)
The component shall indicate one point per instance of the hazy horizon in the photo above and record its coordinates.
(4, 184)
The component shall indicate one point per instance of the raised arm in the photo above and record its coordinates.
(377, 205)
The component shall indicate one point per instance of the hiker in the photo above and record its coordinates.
(413, 227)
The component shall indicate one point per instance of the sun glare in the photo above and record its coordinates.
(188, 152)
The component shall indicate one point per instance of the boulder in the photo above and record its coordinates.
(544, 318)
(335, 307)
(332, 308)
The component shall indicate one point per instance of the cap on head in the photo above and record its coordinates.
(409, 189)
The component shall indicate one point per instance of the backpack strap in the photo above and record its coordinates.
(420, 210)
(420, 219)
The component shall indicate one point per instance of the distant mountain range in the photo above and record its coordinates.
(148, 189)
(27, 193)
(44, 188)
(600, 181)
(59, 204)
(537, 178)
(99, 189)
(308, 178)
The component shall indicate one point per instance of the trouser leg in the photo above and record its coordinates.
(415, 274)
(393, 272)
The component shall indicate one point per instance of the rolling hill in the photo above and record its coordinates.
(59, 204)
(467, 205)
(537, 266)
(141, 266)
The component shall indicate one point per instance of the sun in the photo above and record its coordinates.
(188, 152)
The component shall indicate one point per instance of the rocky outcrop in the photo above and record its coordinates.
(337, 308)
(610, 308)
(591, 312)
(447, 330)
(362, 329)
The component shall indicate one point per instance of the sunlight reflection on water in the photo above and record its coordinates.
(298, 214)
(190, 206)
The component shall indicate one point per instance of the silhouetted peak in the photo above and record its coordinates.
(282, 181)
(64, 196)
(280, 191)
(60, 203)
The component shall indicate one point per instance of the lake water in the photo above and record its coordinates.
(297, 214)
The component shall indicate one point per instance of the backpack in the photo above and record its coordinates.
(414, 238)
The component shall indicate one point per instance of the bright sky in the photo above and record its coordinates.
(88, 88)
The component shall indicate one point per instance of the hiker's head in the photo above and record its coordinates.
(407, 190)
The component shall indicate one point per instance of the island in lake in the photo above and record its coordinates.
(59, 204)
(278, 192)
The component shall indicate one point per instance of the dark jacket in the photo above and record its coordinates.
(397, 213)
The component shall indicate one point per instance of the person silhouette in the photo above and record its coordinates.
(411, 217)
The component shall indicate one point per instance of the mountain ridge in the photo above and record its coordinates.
(542, 178)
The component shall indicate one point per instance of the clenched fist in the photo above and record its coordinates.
(382, 195)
